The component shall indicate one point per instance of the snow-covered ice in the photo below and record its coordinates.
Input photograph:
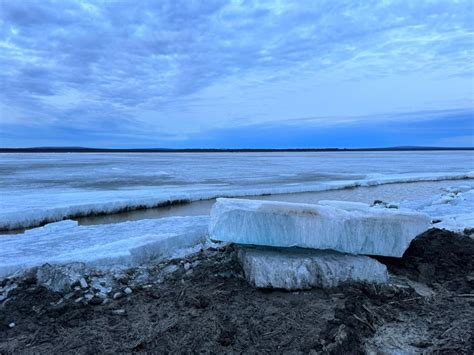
(293, 269)
(454, 207)
(40, 188)
(369, 230)
(124, 244)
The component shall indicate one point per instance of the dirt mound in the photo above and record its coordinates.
(438, 257)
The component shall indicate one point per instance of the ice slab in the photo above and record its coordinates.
(124, 244)
(369, 230)
(292, 269)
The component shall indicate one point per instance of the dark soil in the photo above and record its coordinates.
(212, 309)
(440, 257)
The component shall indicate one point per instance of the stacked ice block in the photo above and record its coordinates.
(298, 246)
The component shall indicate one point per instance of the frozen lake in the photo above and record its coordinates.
(39, 188)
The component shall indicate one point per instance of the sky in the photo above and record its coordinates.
(236, 74)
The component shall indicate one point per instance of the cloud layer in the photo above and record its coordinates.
(166, 73)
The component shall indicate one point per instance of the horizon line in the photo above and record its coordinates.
(76, 149)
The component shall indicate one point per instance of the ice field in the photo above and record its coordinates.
(40, 188)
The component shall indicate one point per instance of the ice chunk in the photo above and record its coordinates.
(372, 231)
(124, 244)
(60, 278)
(293, 269)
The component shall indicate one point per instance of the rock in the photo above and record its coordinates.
(102, 285)
(119, 312)
(79, 299)
(165, 272)
(83, 282)
(187, 266)
(117, 295)
(421, 289)
(345, 227)
(11, 325)
(88, 296)
(60, 278)
(128, 291)
(294, 269)
(6, 289)
(95, 301)
(169, 269)
(69, 295)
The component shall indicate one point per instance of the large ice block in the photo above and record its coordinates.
(106, 245)
(292, 269)
(370, 230)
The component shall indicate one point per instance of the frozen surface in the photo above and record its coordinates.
(124, 244)
(364, 230)
(38, 188)
(302, 269)
(454, 207)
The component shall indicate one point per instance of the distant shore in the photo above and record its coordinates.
(218, 150)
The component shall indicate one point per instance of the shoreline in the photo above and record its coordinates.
(203, 302)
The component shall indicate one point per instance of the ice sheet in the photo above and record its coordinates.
(39, 188)
(125, 244)
(292, 269)
(366, 230)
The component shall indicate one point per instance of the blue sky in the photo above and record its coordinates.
(236, 73)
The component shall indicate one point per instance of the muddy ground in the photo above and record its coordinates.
(427, 307)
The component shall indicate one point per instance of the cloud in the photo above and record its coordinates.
(177, 68)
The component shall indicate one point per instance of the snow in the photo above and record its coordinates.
(42, 188)
(368, 230)
(124, 244)
(454, 207)
(293, 269)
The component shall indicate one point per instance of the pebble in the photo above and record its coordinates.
(11, 325)
(77, 300)
(169, 269)
(187, 266)
(89, 296)
(95, 301)
(128, 291)
(119, 312)
(69, 295)
(83, 282)
(117, 295)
